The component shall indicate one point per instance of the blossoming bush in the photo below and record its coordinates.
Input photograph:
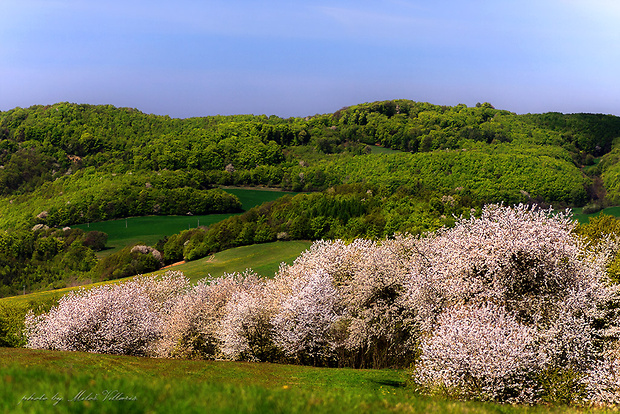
(190, 326)
(510, 306)
(603, 382)
(365, 321)
(246, 330)
(481, 352)
(303, 324)
(113, 319)
(381, 330)
(526, 268)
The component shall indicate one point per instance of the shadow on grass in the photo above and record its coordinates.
(390, 383)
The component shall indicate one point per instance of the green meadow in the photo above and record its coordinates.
(36, 381)
(375, 149)
(583, 218)
(147, 230)
(150, 229)
(255, 196)
(264, 259)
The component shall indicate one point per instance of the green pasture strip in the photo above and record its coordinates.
(264, 259)
(82, 382)
(583, 218)
(252, 197)
(36, 297)
(374, 149)
(148, 230)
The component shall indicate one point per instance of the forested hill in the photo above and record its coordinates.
(482, 147)
(374, 169)
(86, 135)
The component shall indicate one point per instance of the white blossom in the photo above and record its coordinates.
(603, 382)
(115, 319)
(302, 326)
(482, 353)
(191, 326)
(488, 307)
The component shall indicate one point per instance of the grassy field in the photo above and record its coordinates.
(38, 381)
(264, 259)
(150, 229)
(583, 218)
(251, 197)
(374, 149)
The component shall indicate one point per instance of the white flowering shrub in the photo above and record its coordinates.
(381, 330)
(480, 353)
(335, 258)
(162, 289)
(509, 306)
(523, 258)
(352, 293)
(567, 338)
(525, 264)
(245, 331)
(113, 319)
(603, 382)
(303, 324)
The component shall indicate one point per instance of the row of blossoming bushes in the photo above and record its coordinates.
(510, 306)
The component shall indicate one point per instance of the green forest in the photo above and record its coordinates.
(369, 170)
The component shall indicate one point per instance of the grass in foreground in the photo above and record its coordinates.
(71, 382)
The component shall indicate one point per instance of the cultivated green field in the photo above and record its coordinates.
(36, 381)
(264, 259)
(150, 229)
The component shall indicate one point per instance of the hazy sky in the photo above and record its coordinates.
(199, 57)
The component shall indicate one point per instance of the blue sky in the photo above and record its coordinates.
(197, 57)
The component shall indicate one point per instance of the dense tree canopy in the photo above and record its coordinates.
(42, 143)
(382, 167)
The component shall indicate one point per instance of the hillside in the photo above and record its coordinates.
(43, 144)
(69, 164)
